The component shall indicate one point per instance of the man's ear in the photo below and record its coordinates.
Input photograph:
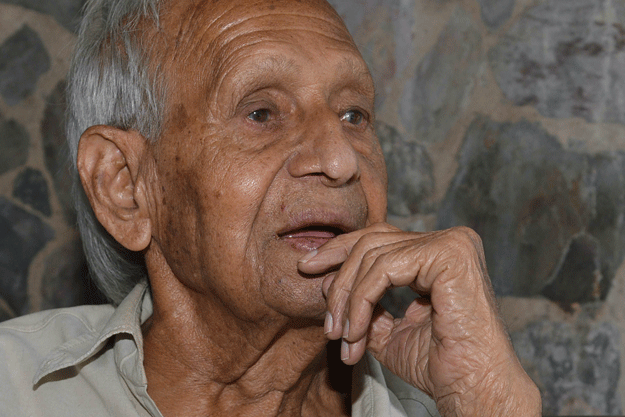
(110, 168)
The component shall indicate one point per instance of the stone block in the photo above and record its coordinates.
(383, 31)
(496, 12)
(22, 236)
(443, 81)
(23, 59)
(56, 152)
(14, 142)
(550, 219)
(66, 12)
(410, 173)
(565, 58)
(577, 368)
(30, 188)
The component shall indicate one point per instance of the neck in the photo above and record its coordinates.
(203, 361)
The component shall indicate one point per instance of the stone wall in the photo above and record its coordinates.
(506, 116)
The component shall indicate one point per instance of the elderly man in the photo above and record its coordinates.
(235, 215)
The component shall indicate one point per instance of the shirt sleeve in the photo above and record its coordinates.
(377, 392)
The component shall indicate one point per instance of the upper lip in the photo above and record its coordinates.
(341, 220)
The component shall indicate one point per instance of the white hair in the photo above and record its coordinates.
(112, 81)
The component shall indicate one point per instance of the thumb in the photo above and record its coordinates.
(402, 344)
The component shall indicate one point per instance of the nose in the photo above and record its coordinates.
(326, 150)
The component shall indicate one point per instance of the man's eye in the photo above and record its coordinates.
(259, 116)
(354, 117)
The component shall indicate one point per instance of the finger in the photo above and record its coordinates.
(341, 287)
(326, 257)
(417, 263)
(352, 352)
(336, 251)
(327, 281)
(394, 268)
(402, 345)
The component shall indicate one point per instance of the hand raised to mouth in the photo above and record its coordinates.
(451, 343)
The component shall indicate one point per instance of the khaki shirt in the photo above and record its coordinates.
(88, 361)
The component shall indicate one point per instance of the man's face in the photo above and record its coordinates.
(269, 151)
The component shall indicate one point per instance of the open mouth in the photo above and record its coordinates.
(310, 237)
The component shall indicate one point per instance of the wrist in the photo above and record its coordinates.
(507, 391)
(510, 392)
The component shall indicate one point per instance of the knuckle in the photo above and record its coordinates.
(371, 254)
(466, 238)
(338, 291)
(360, 322)
(368, 241)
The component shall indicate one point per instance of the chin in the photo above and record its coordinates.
(300, 298)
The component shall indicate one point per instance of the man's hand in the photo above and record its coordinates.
(451, 342)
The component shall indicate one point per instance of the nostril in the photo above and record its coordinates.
(332, 156)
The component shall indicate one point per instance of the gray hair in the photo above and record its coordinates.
(111, 82)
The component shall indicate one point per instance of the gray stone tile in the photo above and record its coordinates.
(22, 236)
(383, 31)
(23, 59)
(14, 142)
(550, 219)
(577, 368)
(66, 12)
(496, 12)
(578, 277)
(30, 188)
(55, 149)
(566, 59)
(410, 175)
(434, 101)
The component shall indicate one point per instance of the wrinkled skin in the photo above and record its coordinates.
(261, 214)
(450, 343)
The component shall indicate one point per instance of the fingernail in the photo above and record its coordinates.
(346, 329)
(308, 256)
(329, 323)
(344, 351)
(327, 282)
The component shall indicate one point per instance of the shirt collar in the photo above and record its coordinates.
(126, 319)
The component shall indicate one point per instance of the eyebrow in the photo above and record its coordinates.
(275, 71)
(268, 72)
(357, 72)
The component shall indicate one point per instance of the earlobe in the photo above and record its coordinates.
(110, 165)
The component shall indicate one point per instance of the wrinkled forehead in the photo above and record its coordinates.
(222, 11)
(206, 34)
(210, 19)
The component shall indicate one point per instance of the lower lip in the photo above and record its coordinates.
(308, 240)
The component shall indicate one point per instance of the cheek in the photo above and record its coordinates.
(177, 221)
(374, 182)
(223, 195)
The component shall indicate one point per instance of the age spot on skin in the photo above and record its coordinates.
(179, 117)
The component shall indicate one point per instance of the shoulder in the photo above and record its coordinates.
(43, 331)
(26, 343)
